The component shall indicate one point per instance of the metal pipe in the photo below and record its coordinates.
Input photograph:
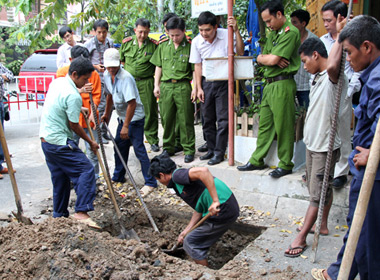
(231, 156)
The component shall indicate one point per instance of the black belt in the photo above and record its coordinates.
(279, 78)
(140, 79)
(176, 81)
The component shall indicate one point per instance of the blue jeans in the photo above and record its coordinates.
(68, 163)
(2, 123)
(136, 138)
(90, 154)
(367, 259)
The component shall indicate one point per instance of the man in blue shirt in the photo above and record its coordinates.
(361, 41)
(130, 110)
(66, 162)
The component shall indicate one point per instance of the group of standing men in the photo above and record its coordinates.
(167, 70)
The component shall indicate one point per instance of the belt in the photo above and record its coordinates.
(176, 81)
(140, 79)
(279, 78)
(43, 140)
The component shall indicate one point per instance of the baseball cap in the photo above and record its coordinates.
(111, 58)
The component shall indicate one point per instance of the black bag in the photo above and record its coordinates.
(6, 109)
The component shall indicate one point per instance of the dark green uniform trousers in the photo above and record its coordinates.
(176, 107)
(277, 117)
(149, 101)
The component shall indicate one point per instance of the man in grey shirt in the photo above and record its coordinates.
(97, 46)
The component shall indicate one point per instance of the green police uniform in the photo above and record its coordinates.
(176, 94)
(137, 63)
(277, 113)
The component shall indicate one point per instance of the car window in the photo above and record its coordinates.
(40, 63)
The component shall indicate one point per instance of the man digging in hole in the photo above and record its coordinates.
(204, 193)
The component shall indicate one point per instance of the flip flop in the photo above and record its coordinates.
(89, 222)
(303, 248)
(317, 274)
(311, 232)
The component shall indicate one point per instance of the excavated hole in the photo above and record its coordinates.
(171, 224)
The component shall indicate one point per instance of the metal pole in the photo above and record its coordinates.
(160, 10)
(231, 156)
(171, 6)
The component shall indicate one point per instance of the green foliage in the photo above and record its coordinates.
(11, 55)
(183, 10)
(15, 66)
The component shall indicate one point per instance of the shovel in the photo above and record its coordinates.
(125, 234)
(175, 248)
(19, 215)
(132, 180)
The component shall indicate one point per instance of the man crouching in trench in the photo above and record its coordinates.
(205, 194)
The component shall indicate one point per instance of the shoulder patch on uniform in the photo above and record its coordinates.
(127, 39)
(188, 38)
(164, 40)
(287, 29)
(153, 41)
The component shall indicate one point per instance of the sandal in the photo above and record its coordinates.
(89, 222)
(317, 274)
(303, 248)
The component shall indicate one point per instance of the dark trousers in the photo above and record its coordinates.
(136, 139)
(367, 258)
(68, 163)
(215, 116)
(2, 123)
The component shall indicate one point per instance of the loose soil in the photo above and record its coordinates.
(65, 249)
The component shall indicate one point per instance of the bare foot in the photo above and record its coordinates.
(81, 215)
(323, 231)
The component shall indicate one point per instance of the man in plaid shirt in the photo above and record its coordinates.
(5, 76)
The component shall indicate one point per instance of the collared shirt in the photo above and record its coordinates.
(320, 113)
(367, 113)
(302, 77)
(174, 62)
(62, 104)
(63, 55)
(96, 56)
(353, 77)
(284, 43)
(202, 49)
(124, 89)
(8, 74)
(137, 58)
(96, 91)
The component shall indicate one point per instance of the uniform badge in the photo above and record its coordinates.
(127, 39)
(287, 29)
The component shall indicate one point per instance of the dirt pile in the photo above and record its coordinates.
(65, 249)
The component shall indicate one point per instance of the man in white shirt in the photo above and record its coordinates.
(300, 19)
(63, 54)
(213, 42)
(330, 12)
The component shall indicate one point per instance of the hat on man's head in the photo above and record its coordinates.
(111, 58)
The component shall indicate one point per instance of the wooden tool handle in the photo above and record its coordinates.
(10, 169)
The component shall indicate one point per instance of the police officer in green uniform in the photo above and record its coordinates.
(164, 36)
(135, 53)
(172, 85)
(277, 114)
